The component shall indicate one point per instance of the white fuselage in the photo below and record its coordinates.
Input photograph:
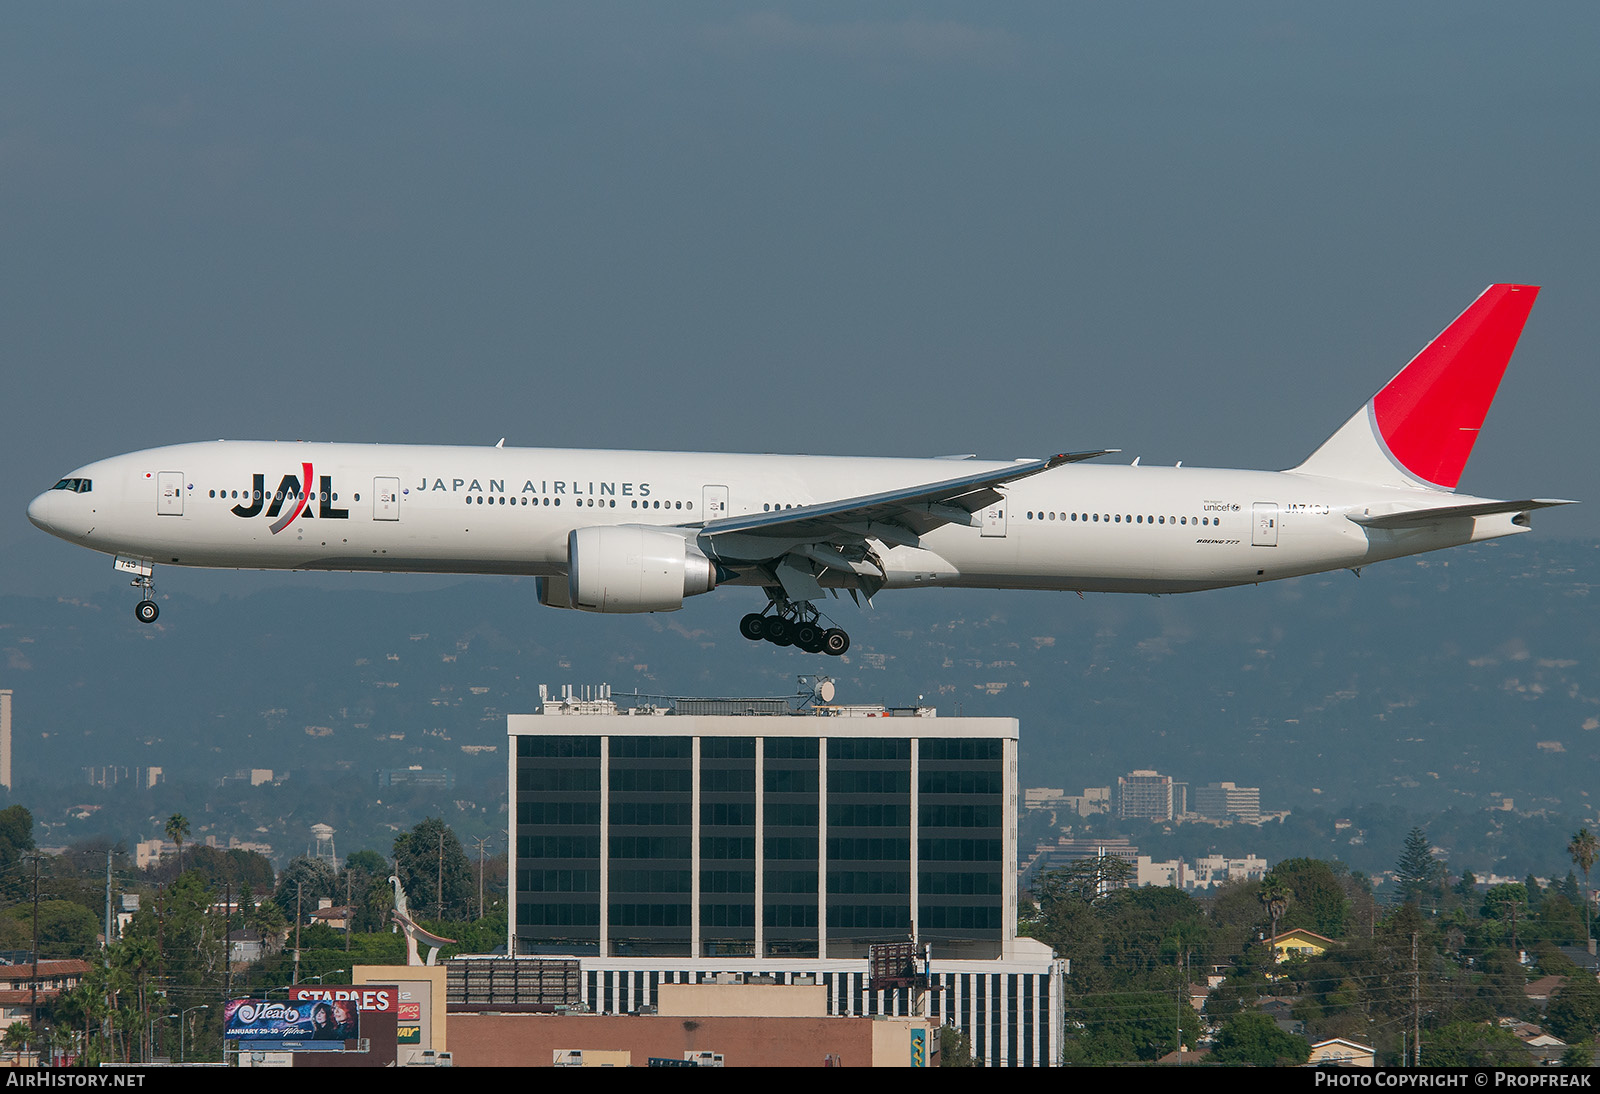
(429, 508)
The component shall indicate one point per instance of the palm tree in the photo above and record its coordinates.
(1275, 899)
(17, 1038)
(177, 830)
(1584, 849)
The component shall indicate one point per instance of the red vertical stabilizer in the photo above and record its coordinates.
(1430, 414)
(1420, 429)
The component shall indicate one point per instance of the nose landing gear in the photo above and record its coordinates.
(145, 611)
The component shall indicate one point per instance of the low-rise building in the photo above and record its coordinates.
(1339, 1052)
(22, 985)
(1300, 942)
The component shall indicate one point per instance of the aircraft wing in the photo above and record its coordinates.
(915, 508)
(1412, 518)
(793, 548)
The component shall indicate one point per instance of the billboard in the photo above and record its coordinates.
(383, 998)
(295, 1020)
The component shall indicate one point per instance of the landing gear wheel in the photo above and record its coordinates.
(146, 611)
(777, 630)
(835, 642)
(753, 626)
(808, 636)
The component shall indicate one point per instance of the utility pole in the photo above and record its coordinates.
(482, 841)
(299, 887)
(33, 1006)
(105, 1023)
(1177, 1022)
(1416, 1005)
(441, 870)
(108, 910)
(227, 943)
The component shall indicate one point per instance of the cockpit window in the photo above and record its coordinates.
(76, 486)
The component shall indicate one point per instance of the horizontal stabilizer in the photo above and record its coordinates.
(1412, 518)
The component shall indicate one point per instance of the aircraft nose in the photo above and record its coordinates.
(39, 511)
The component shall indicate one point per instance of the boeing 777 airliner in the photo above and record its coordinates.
(613, 531)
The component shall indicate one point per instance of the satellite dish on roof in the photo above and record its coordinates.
(825, 690)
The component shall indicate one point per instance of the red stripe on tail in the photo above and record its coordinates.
(1430, 414)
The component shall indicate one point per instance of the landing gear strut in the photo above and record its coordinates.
(145, 611)
(794, 624)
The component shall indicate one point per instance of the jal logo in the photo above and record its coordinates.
(291, 499)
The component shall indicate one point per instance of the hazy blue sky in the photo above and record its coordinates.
(1197, 232)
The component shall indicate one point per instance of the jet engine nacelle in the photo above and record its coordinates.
(632, 568)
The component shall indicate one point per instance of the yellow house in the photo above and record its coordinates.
(1300, 941)
(1341, 1053)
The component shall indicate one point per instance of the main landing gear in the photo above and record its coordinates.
(795, 625)
(145, 611)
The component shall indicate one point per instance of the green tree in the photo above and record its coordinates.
(1574, 1014)
(955, 1048)
(1087, 880)
(1507, 903)
(236, 868)
(1320, 903)
(364, 883)
(1149, 928)
(16, 840)
(1569, 889)
(1253, 1038)
(177, 832)
(267, 920)
(1579, 1055)
(66, 929)
(1127, 1026)
(1501, 983)
(1559, 920)
(368, 862)
(1473, 1044)
(1417, 871)
(174, 951)
(17, 1037)
(303, 882)
(434, 870)
(1274, 897)
(1584, 848)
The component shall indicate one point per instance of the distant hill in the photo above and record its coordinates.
(1456, 679)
